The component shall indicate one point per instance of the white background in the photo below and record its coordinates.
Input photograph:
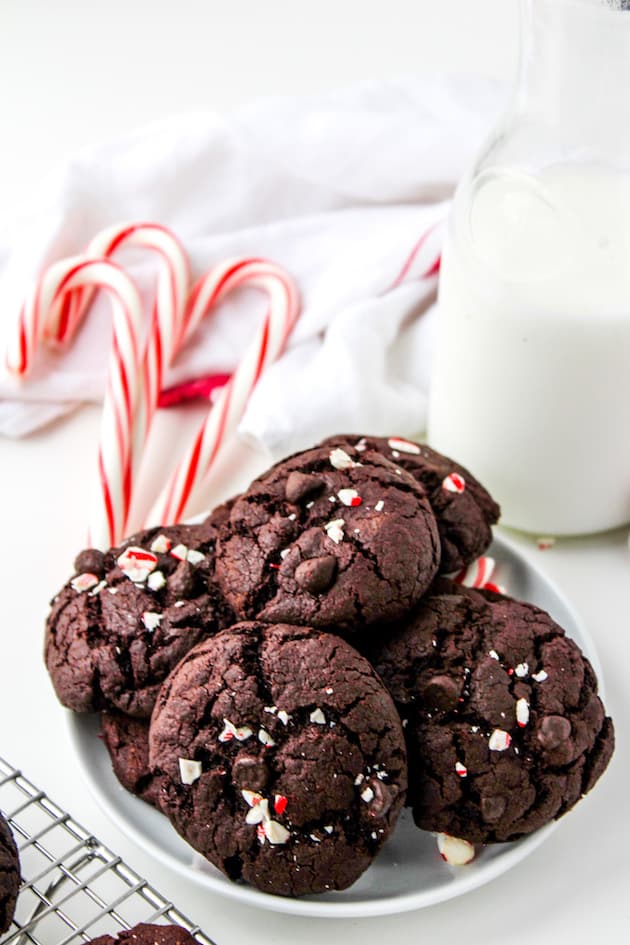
(72, 73)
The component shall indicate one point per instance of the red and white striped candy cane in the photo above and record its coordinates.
(115, 453)
(167, 322)
(228, 409)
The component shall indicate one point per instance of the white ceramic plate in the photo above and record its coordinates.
(408, 873)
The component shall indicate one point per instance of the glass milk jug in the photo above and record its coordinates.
(531, 384)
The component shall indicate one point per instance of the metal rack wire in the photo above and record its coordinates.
(73, 887)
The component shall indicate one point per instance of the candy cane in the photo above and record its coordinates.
(56, 316)
(228, 409)
(115, 454)
(166, 326)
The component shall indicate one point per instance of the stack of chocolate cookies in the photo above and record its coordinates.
(283, 678)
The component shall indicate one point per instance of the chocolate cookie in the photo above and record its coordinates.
(463, 508)
(9, 875)
(504, 727)
(127, 741)
(281, 756)
(328, 538)
(144, 934)
(130, 614)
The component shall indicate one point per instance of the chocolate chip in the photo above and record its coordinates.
(182, 581)
(91, 560)
(441, 692)
(316, 574)
(299, 485)
(554, 729)
(250, 773)
(382, 800)
(492, 808)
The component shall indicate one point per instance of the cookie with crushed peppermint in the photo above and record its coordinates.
(464, 509)
(127, 742)
(505, 730)
(146, 934)
(9, 875)
(280, 757)
(130, 614)
(329, 537)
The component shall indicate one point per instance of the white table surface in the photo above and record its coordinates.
(75, 72)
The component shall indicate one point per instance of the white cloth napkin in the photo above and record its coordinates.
(338, 188)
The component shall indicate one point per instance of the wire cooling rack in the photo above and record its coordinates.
(73, 888)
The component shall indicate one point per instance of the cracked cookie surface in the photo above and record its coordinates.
(281, 757)
(328, 538)
(463, 508)
(9, 875)
(505, 730)
(130, 614)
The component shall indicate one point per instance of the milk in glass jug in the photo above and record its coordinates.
(531, 383)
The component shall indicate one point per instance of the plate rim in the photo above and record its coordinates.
(363, 908)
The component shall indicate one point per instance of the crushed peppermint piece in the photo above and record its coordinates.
(332, 499)
(275, 832)
(454, 851)
(380, 505)
(180, 552)
(499, 740)
(329, 691)
(474, 729)
(99, 587)
(382, 775)
(395, 454)
(318, 717)
(495, 588)
(151, 620)
(230, 731)
(493, 654)
(360, 778)
(350, 497)
(403, 446)
(521, 670)
(112, 590)
(251, 797)
(156, 581)
(265, 738)
(161, 544)
(339, 459)
(284, 716)
(189, 770)
(540, 676)
(280, 803)
(314, 838)
(328, 828)
(194, 556)
(258, 812)
(179, 603)
(284, 553)
(334, 530)
(136, 564)
(454, 483)
(545, 543)
(292, 517)
(271, 709)
(367, 794)
(522, 712)
(260, 833)
(83, 582)
(374, 835)
(461, 769)
(361, 446)
(309, 505)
